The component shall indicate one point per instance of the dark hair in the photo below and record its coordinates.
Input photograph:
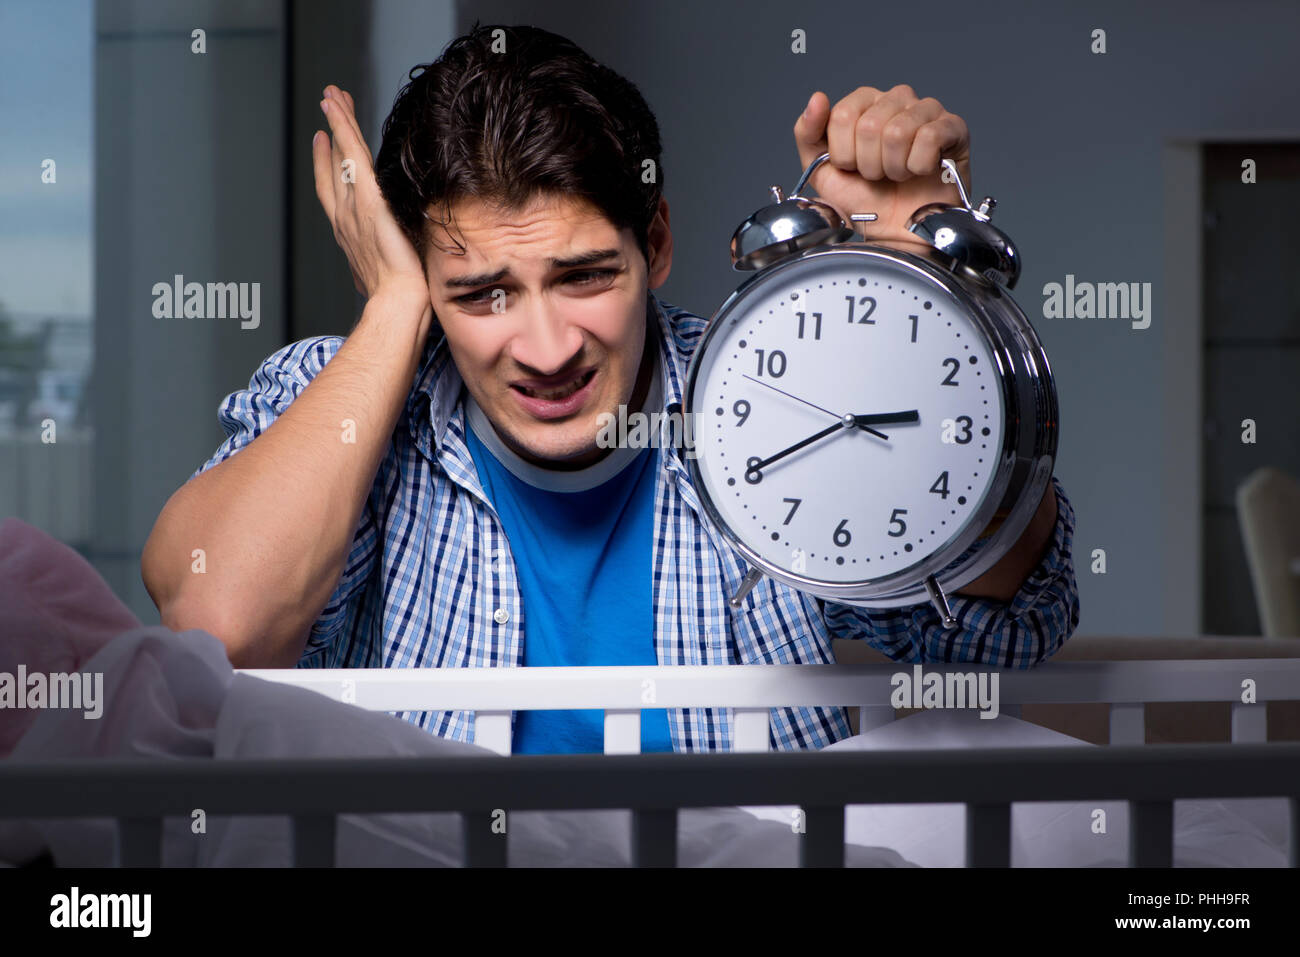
(508, 126)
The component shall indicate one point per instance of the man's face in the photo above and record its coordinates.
(545, 316)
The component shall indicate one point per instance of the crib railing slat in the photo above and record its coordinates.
(654, 837)
(988, 835)
(752, 729)
(139, 842)
(875, 716)
(492, 730)
(1128, 723)
(485, 846)
(623, 732)
(1249, 722)
(1151, 834)
(314, 840)
(822, 842)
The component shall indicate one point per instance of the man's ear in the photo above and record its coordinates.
(659, 241)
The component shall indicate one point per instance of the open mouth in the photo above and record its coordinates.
(559, 392)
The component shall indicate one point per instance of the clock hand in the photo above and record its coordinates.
(813, 404)
(790, 395)
(756, 466)
(887, 418)
(847, 422)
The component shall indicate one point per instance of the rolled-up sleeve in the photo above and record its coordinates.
(1018, 634)
(247, 413)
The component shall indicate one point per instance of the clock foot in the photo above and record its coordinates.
(940, 602)
(750, 580)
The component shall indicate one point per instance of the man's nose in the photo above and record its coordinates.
(546, 342)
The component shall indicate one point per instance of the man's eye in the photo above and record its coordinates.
(587, 276)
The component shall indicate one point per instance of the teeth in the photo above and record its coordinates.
(555, 394)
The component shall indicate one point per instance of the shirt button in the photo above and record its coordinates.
(501, 616)
(496, 567)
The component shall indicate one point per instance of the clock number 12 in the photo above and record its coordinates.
(865, 317)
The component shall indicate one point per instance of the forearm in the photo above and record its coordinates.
(276, 519)
(1003, 580)
(1017, 632)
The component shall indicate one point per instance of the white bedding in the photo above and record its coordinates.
(1231, 833)
(175, 695)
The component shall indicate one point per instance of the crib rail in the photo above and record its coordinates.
(752, 690)
(654, 786)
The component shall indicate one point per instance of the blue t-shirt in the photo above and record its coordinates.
(583, 551)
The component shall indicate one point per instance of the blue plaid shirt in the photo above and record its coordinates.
(430, 581)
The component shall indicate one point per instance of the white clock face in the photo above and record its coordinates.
(847, 335)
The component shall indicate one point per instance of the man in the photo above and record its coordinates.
(429, 491)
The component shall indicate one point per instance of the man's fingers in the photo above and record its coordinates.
(322, 166)
(338, 188)
(347, 146)
(810, 128)
(346, 96)
(895, 139)
(841, 130)
(348, 114)
(863, 146)
(347, 143)
(338, 91)
(945, 135)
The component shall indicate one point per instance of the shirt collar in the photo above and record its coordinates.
(435, 400)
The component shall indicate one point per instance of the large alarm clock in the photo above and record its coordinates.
(872, 425)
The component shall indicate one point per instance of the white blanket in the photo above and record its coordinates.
(1231, 833)
(175, 695)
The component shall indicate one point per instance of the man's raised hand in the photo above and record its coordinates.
(378, 252)
(885, 149)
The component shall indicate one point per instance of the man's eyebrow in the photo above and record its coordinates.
(582, 259)
(585, 259)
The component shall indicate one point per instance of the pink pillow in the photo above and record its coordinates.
(55, 612)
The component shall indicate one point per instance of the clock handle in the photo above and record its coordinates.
(808, 171)
(940, 601)
(746, 586)
(984, 208)
(797, 193)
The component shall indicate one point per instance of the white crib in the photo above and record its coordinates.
(655, 786)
